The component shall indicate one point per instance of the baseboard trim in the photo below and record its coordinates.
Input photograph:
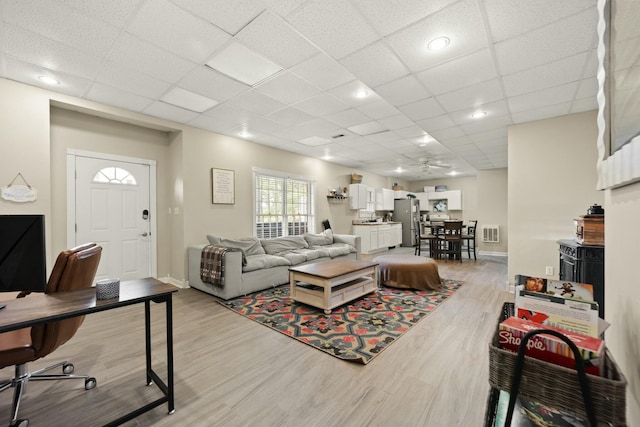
(492, 253)
(175, 282)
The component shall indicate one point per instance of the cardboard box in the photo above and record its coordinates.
(550, 348)
(590, 230)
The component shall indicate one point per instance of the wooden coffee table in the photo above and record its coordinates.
(327, 285)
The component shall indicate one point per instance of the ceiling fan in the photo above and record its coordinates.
(431, 164)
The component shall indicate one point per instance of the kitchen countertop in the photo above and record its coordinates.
(355, 222)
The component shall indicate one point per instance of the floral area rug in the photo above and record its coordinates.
(357, 331)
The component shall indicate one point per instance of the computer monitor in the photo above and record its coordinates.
(23, 258)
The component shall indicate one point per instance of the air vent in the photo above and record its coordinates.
(337, 136)
(491, 234)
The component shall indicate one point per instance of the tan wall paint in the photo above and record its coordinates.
(552, 180)
(622, 293)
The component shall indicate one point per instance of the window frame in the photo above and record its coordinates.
(311, 217)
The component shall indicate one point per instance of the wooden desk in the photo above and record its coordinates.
(36, 309)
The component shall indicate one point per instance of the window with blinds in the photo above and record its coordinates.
(283, 206)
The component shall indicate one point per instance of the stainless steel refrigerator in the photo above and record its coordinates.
(407, 211)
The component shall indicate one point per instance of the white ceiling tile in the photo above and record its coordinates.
(449, 133)
(29, 47)
(334, 25)
(542, 113)
(542, 98)
(170, 112)
(554, 74)
(243, 64)
(588, 88)
(486, 124)
(211, 124)
(52, 20)
(403, 91)
(492, 109)
(29, 73)
(256, 102)
(283, 7)
(410, 131)
(584, 104)
(314, 141)
(118, 98)
(508, 18)
(367, 128)
(213, 84)
(226, 116)
(492, 135)
(567, 37)
(471, 96)
(422, 109)
(288, 88)
(231, 16)
(318, 127)
(465, 71)
(128, 51)
(346, 118)
(290, 116)
(272, 37)
(170, 27)
(261, 125)
(323, 71)
(436, 123)
(378, 109)
(382, 137)
(131, 81)
(321, 105)
(114, 12)
(399, 121)
(347, 93)
(365, 64)
(389, 16)
(461, 22)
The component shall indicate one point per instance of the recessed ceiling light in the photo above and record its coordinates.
(244, 134)
(438, 43)
(453, 173)
(362, 93)
(478, 114)
(399, 170)
(48, 80)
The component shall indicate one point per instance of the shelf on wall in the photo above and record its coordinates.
(337, 199)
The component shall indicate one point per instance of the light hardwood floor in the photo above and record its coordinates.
(230, 371)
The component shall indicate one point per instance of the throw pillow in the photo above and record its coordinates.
(324, 238)
(248, 245)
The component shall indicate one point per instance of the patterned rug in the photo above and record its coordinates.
(355, 332)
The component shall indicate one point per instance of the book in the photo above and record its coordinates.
(529, 413)
(561, 288)
(549, 347)
(573, 315)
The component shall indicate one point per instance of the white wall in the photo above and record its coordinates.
(622, 288)
(552, 180)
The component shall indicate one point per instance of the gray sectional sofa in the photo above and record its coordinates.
(267, 261)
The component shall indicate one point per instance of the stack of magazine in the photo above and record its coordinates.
(567, 307)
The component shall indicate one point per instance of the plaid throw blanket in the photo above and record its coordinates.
(212, 264)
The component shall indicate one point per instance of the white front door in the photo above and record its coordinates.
(112, 209)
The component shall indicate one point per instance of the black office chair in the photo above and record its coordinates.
(326, 225)
(470, 238)
(74, 269)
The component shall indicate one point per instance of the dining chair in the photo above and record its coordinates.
(450, 240)
(470, 238)
(74, 269)
(420, 237)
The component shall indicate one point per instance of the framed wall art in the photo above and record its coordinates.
(223, 184)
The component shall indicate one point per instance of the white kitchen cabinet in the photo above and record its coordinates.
(396, 234)
(384, 199)
(400, 194)
(358, 196)
(423, 198)
(374, 237)
(453, 198)
(371, 199)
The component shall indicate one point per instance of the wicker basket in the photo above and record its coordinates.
(557, 386)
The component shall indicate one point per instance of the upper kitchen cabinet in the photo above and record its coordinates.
(384, 199)
(358, 196)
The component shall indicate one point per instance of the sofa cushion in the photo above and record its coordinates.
(336, 249)
(248, 245)
(280, 245)
(299, 256)
(324, 238)
(258, 262)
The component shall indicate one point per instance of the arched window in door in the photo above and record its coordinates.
(114, 175)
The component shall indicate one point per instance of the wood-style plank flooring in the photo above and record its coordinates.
(230, 371)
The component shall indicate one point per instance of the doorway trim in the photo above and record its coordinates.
(72, 155)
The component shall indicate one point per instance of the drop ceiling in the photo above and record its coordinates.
(351, 82)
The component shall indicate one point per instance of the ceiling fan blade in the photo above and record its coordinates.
(436, 166)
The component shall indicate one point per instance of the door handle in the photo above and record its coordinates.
(145, 234)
